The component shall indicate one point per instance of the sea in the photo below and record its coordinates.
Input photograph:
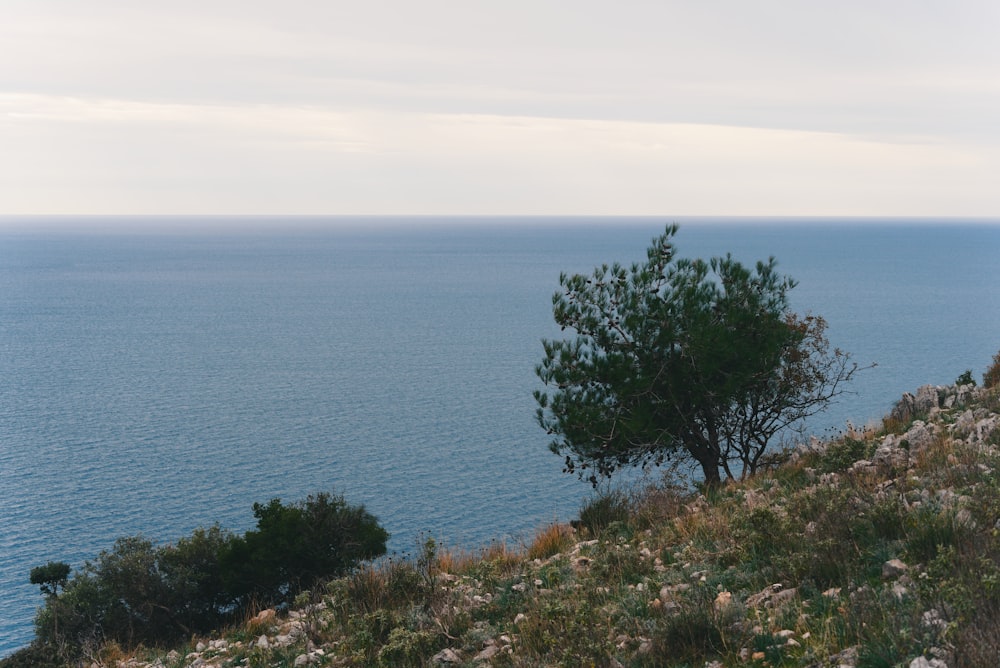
(161, 374)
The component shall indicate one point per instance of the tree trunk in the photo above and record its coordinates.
(710, 470)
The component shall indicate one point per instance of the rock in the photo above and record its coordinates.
(926, 399)
(921, 662)
(904, 408)
(670, 592)
(520, 617)
(847, 658)
(772, 597)
(446, 655)
(781, 598)
(861, 465)
(893, 569)
(932, 619)
(262, 642)
(488, 653)
(964, 424)
(964, 394)
(200, 647)
(302, 660)
(984, 428)
(918, 436)
(757, 599)
(890, 456)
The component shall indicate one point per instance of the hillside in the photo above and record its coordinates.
(880, 547)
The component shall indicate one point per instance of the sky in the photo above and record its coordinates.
(466, 107)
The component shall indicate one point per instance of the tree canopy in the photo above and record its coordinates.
(681, 357)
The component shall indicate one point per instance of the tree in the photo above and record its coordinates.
(679, 357)
(50, 577)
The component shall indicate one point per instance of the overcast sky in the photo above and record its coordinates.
(726, 107)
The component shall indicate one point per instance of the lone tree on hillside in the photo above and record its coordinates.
(678, 357)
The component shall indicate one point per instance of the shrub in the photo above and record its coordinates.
(691, 634)
(35, 655)
(841, 454)
(966, 378)
(931, 530)
(297, 546)
(603, 510)
(138, 593)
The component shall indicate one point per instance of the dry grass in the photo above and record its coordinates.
(551, 540)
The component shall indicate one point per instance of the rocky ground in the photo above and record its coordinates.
(877, 548)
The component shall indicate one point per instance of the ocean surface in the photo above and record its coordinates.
(161, 374)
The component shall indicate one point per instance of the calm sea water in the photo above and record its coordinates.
(157, 375)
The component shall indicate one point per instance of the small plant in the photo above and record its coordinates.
(930, 531)
(842, 453)
(603, 510)
(965, 379)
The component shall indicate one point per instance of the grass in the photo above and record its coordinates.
(782, 569)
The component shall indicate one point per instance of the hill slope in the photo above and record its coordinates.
(877, 548)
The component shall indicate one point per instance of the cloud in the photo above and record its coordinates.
(437, 107)
(273, 158)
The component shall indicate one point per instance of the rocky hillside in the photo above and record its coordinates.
(878, 548)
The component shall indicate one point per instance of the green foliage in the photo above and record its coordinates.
(603, 510)
(297, 546)
(139, 593)
(36, 655)
(966, 378)
(50, 577)
(404, 647)
(840, 454)
(931, 530)
(678, 357)
(691, 634)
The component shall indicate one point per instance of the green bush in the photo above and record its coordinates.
(138, 593)
(35, 655)
(841, 454)
(603, 510)
(966, 378)
(297, 546)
